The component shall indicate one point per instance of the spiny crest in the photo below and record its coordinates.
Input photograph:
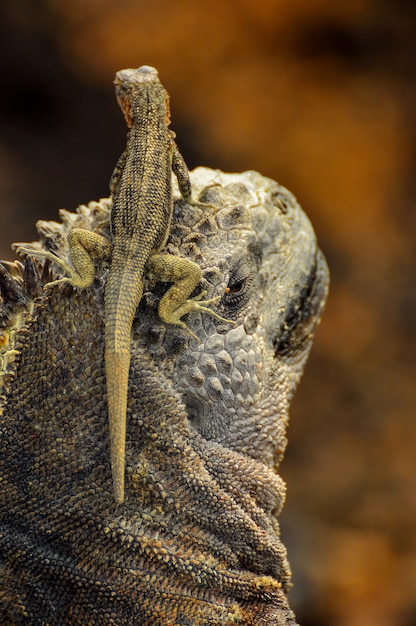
(21, 282)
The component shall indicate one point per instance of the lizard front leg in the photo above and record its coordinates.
(185, 275)
(181, 172)
(84, 247)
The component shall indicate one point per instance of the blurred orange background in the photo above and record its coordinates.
(321, 97)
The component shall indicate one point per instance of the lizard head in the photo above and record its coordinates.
(137, 91)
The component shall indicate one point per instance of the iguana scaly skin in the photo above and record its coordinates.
(196, 541)
(140, 221)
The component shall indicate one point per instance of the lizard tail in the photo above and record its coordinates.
(117, 374)
(121, 304)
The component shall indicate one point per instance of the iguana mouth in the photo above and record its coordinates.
(304, 311)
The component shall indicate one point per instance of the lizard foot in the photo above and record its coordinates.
(194, 202)
(73, 277)
(196, 304)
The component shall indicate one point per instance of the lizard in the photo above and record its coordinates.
(196, 540)
(140, 221)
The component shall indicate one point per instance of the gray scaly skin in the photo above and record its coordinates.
(197, 540)
(141, 188)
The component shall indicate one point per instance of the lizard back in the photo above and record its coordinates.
(140, 221)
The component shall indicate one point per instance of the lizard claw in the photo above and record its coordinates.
(203, 204)
(57, 282)
(198, 305)
(194, 202)
(188, 330)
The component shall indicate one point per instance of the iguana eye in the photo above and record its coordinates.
(238, 289)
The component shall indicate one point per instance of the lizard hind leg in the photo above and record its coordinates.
(185, 275)
(84, 247)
